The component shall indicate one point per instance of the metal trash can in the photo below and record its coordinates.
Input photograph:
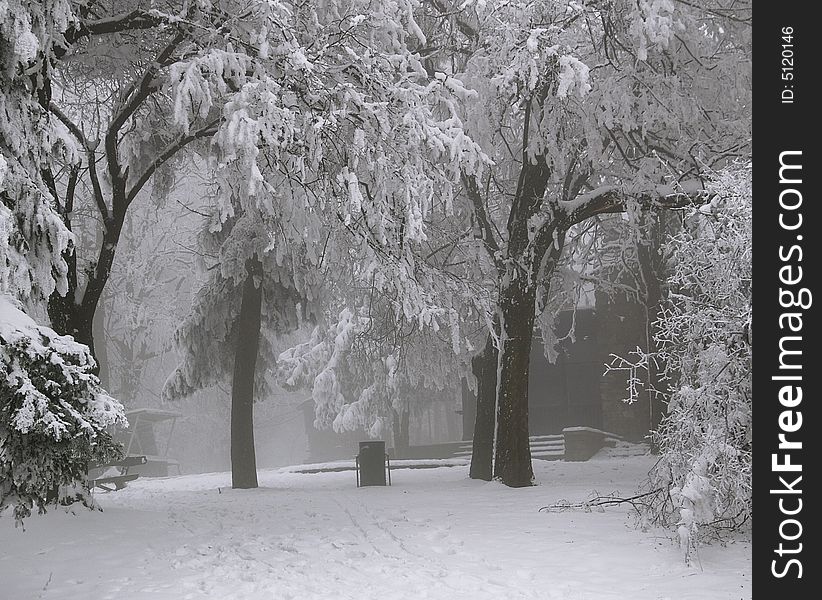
(372, 464)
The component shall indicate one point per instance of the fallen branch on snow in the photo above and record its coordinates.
(599, 502)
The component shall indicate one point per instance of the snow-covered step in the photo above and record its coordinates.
(540, 455)
(539, 438)
(548, 443)
(533, 439)
(548, 447)
(543, 447)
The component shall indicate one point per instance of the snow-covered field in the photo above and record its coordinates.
(434, 534)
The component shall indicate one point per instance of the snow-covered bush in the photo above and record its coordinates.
(704, 348)
(705, 342)
(53, 415)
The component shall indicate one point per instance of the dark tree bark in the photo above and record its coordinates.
(99, 333)
(401, 429)
(518, 272)
(73, 315)
(512, 460)
(469, 410)
(651, 269)
(69, 318)
(243, 456)
(484, 366)
(516, 310)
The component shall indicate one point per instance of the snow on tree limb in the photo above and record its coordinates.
(612, 198)
(33, 236)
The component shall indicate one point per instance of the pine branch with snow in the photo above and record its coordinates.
(54, 416)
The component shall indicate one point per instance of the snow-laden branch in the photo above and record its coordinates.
(703, 357)
(614, 199)
(140, 89)
(131, 21)
(447, 10)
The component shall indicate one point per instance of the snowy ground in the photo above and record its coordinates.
(434, 534)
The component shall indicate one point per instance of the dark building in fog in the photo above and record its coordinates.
(574, 391)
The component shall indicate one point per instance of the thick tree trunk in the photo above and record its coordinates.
(99, 333)
(75, 317)
(69, 318)
(484, 366)
(518, 270)
(515, 309)
(243, 457)
(402, 437)
(512, 464)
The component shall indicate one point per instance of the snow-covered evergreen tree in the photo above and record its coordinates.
(53, 415)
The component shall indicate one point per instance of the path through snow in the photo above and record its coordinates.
(434, 534)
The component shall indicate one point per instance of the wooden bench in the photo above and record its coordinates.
(126, 462)
(112, 483)
(118, 481)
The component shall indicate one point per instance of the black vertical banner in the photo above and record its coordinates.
(786, 539)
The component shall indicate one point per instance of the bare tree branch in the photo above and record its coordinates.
(91, 158)
(167, 154)
(480, 212)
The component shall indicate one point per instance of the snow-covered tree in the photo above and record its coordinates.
(319, 101)
(33, 236)
(149, 292)
(371, 370)
(53, 415)
(703, 335)
(339, 146)
(585, 109)
(399, 322)
(255, 290)
(109, 80)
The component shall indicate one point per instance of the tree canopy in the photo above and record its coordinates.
(390, 137)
